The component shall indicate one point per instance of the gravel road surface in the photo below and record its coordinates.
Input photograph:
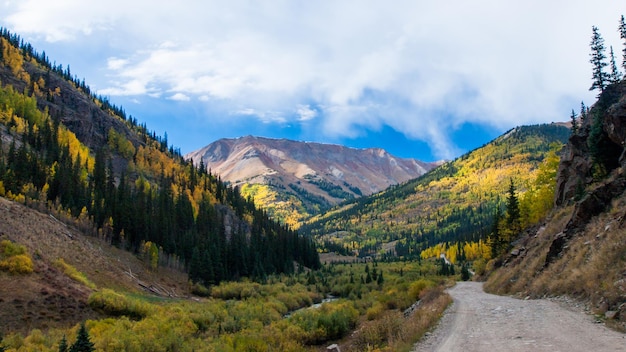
(478, 321)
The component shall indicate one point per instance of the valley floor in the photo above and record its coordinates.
(478, 321)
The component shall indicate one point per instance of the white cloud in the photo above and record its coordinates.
(263, 115)
(59, 20)
(114, 63)
(423, 68)
(305, 112)
(180, 97)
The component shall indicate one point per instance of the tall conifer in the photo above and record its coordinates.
(574, 123)
(598, 61)
(622, 34)
(615, 76)
(83, 343)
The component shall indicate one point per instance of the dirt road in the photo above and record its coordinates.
(478, 321)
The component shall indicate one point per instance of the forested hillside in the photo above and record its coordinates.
(579, 250)
(294, 180)
(453, 203)
(117, 216)
(70, 151)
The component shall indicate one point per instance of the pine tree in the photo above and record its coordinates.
(465, 274)
(574, 123)
(83, 343)
(63, 345)
(512, 208)
(600, 78)
(615, 76)
(622, 34)
(583, 114)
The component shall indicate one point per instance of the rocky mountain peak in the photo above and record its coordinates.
(319, 175)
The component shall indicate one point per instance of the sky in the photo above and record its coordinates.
(422, 79)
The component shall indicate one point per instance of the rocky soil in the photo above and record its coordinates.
(478, 321)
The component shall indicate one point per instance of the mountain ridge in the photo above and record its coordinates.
(321, 174)
(454, 202)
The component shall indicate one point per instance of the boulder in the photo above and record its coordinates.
(610, 314)
(333, 348)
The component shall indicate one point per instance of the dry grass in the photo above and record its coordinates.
(592, 267)
(47, 297)
(73, 273)
(393, 332)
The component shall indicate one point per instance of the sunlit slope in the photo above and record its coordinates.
(454, 202)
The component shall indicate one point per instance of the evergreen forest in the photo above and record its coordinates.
(124, 183)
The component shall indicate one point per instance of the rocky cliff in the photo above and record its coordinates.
(603, 128)
(591, 172)
(580, 249)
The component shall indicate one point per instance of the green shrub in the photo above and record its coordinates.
(375, 311)
(117, 304)
(329, 322)
(9, 249)
(418, 286)
(200, 290)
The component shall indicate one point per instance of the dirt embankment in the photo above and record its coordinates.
(478, 321)
(47, 297)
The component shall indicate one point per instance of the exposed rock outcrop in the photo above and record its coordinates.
(575, 174)
(592, 204)
(575, 170)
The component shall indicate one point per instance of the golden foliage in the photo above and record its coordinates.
(150, 159)
(470, 250)
(11, 56)
(249, 316)
(14, 259)
(417, 287)
(73, 273)
(289, 211)
(17, 264)
(77, 148)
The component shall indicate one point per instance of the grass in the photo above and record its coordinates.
(590, 269)
(248, 315)
(76, 275)
(394, 332)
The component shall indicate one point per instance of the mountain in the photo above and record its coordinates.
(72, 153)
(293, 179)
(454, 202)
(579, 249)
